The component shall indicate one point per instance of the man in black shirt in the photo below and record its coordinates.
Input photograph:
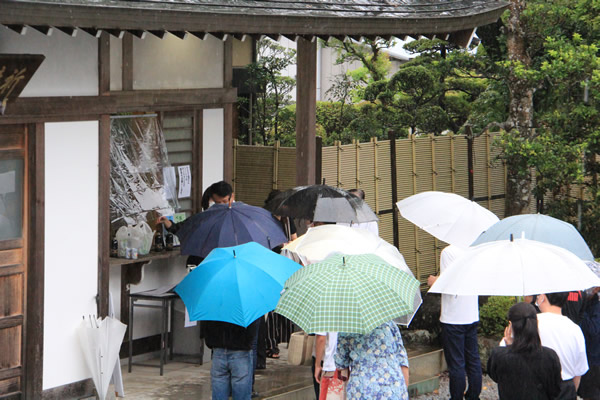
(232, 360)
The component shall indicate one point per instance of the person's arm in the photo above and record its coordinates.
(172, 227)
(576, 381)
(406, 375)
(320, 341)
(431, 280)
(342, 354)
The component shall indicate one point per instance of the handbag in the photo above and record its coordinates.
(334, 387)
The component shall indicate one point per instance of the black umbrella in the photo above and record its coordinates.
(331, 205)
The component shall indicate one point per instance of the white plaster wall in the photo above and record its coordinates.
(70, 67)
(71, 246)
(212, 142)
(172, 63)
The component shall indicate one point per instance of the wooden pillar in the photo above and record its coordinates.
(306, 106)
(228, 112)
(34, 335)
(103, 214)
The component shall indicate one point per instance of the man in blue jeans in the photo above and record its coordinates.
(232, 359)
(459, 318)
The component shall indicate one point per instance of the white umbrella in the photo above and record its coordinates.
(519, 267)
(320, 242)
(447, 216)
(100, 342)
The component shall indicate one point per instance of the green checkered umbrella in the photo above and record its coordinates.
(347, 293)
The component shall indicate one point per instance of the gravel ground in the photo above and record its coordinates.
(489, 391)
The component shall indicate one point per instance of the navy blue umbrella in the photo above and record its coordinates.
(227, 225)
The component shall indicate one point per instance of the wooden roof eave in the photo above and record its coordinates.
(149, 19)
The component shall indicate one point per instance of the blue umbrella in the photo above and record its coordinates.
(542, 228)
(226, 225)
(235, 284)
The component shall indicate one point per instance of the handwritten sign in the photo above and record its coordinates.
(15, 72)
(185, 181)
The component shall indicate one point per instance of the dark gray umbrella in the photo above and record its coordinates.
(321, 203)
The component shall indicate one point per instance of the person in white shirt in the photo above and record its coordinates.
(324, 350)
(564, 337)
(459, 319)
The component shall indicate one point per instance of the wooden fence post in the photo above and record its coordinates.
(413, 143)
(434, 174)
(276, 164)
(338, 145)
(469, 134)
(357, 157)
(452, 164)
(394, 172)
(376, 173)
(488, 169)
(234, 173)
(319, 161)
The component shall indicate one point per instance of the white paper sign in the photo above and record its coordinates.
(188, 323)
(170, 182)
(185, 181)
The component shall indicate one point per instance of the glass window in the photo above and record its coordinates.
(11, 199)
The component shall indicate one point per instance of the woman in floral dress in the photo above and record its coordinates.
(378, 363)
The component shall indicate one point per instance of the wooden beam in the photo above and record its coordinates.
(103, 214)
(200, 35)
(306, 104)
(220, 35)
(118, 33)
(43, 29)
(127, 63)
(137, 33)
(158, 33)
(104, 64)
(68, 30)
(34, 333)
(20, 29)
(228, 63)
(180, 34)
(92, 31)
(48, 108)
(141, 15)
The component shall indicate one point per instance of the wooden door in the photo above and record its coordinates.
(13, 251)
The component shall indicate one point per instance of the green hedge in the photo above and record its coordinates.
(493, 316)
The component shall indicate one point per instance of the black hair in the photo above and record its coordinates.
(523, 317)
(558, 299)
(272, 194)
(358, 193)
(221, 189)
